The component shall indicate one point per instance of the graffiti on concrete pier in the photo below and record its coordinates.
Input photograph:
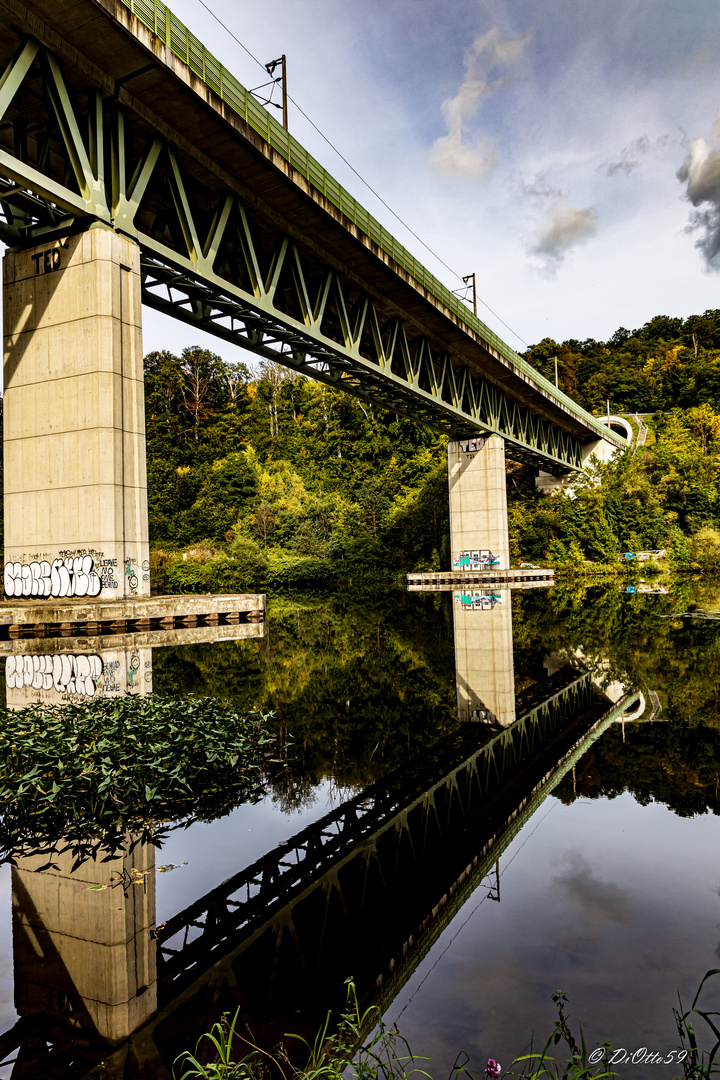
(476, 560)
(64, 577)
(477, 601)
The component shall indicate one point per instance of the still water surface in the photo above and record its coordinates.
(590, 864)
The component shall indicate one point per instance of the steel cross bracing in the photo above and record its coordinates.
(68, 159)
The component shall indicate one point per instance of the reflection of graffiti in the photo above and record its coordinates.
(65, 577)
(65, 672)
(476, 560)
(477, 601)
(133, 669)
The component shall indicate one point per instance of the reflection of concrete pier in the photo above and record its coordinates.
(484, 667)
(368, 889)
(81, 952)
(54, 670)
(84, 941)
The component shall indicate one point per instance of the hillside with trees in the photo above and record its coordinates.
(267, 477)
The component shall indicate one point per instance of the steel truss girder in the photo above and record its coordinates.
(365, 353)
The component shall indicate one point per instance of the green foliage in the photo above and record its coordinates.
(307, 472)
(294, 466)
(294, 571)
(90, 772)
(579, 1066)
(338, 1051)
(705, 550)
(698, 1064)
(668, 362)
(344, 1050)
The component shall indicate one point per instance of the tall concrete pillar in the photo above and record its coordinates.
(484, 665)
(75, 479)
(82, 944)
(478, 504)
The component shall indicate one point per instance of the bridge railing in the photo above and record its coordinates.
(156, 16)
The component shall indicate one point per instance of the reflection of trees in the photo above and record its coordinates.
(667, 763)
(355, 685)
(652, 641)
(291, 793)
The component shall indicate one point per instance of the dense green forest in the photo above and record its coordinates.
(265, 477)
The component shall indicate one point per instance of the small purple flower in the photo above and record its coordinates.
(493, 1069)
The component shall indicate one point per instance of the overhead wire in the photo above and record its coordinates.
(361, 178)
(467, 920)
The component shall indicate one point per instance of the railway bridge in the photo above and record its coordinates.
(136, 170)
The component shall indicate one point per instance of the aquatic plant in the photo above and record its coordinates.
(90, 773)
(349, 1054)
(361, 1047)
(698, 1064)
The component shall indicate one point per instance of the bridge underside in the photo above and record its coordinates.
(261, 270)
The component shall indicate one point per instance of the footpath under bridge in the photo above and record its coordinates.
(113, 114)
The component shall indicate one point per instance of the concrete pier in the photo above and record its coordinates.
(74, 441)
(478, 503)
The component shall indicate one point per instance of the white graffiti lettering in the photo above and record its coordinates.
(65, 577)
(65, 672)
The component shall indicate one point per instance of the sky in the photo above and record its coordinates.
(566, 152)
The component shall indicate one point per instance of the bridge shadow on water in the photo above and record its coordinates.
(364, 892)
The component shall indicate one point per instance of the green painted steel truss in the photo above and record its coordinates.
(208, 261)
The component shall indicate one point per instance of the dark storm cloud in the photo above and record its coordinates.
(700, 172)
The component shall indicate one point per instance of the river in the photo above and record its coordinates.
(459, 872)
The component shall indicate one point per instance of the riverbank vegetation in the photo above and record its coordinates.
(343, 1051)
(265, 479)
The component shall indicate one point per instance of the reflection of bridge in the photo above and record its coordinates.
(364, 891)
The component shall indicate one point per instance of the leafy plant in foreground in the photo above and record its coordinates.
(346, 1055)
(93, 772)
(348, 1052)
(576, 1067)
(698, 1063)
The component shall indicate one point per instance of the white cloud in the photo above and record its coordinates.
(473, 154)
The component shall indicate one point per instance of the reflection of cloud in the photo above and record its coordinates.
(700, 172)
(598, 901)
(563, 228)
(476, 156)
(631, 155)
